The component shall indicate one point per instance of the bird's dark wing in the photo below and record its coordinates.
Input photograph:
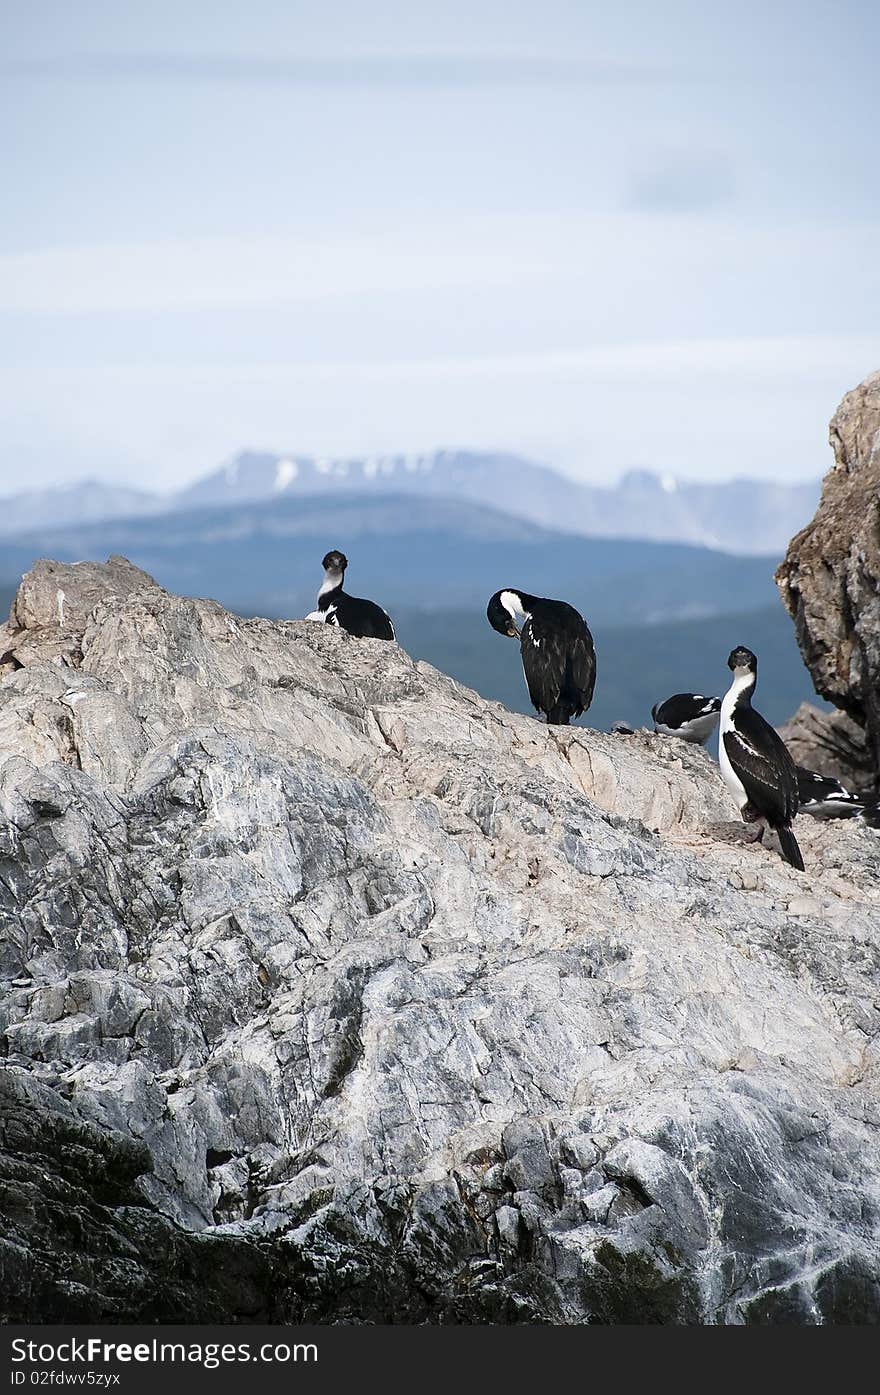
(543, 660)
(559, 660)
(684, 707)
(363, 618)
(814, 786)
(675, 710)
(809, 782)
(381, 626)
(581, 675)
(762, 761)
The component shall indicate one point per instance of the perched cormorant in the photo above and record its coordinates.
(558, 657)
(362, 618)
(755, 762)
(826, 798)
(688, 715)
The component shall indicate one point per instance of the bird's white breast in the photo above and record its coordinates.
(731, 779)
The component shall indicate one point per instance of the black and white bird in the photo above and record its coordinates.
(558, 658)
(826, 798)
(755, 762)
(362, 618)
(688, 715)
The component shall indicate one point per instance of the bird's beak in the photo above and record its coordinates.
(513, 632)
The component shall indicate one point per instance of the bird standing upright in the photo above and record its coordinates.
(558, 658)
(755, 762)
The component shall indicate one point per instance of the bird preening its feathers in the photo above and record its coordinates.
(755, 762)
(689, 716)
(361, 618)
(558, 658)
(826, 798)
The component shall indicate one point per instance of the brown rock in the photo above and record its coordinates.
(830, 578)
(53, 604)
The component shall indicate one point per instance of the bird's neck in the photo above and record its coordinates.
(332, 582)
(739, 694)
(517, 604)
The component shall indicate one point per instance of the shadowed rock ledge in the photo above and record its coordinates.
(333, 992)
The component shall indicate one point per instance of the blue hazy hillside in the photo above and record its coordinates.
(636, 665)
(433, 555)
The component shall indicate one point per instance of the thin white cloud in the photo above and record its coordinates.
(607, 268)
(231, 273)
(706, 409)
(766, 359)
(770, 358)
(413, 67)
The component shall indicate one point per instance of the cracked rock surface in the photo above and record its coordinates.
(333, 992)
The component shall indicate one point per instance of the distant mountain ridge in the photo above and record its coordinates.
(86, 501)
(743, 516)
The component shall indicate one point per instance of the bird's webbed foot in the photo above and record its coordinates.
(756, 821)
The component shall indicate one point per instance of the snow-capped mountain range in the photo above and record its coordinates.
(742, 515)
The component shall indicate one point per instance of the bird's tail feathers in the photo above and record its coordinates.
(561, 714)
(569, 702)
(789, 845)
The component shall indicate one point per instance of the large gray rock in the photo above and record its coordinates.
(830, 578)
(425, 1010)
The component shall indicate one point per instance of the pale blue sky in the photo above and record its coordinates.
(603, 236)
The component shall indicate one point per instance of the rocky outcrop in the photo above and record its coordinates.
(830, 578)
(333, 992)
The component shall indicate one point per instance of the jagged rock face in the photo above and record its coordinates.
(79, 1244)
(54, 601)
(830, 578)
(399, 1006)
